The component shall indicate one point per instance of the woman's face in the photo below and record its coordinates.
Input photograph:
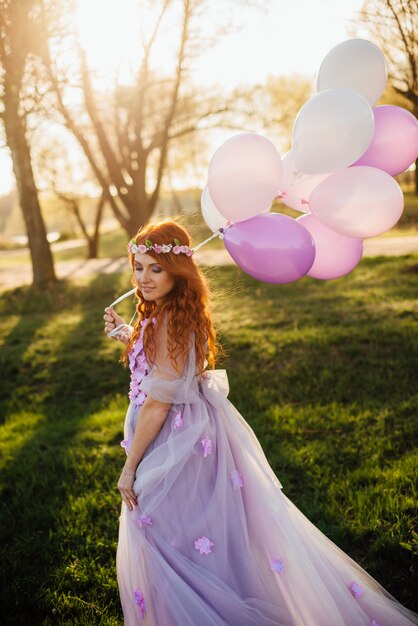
(153, 281)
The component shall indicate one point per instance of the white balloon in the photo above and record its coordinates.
(331, 131)
(355, 64)
(210, 213)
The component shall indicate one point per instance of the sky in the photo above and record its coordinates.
(288, 36)
(293, 36)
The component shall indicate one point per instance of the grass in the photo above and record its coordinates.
(325, 373)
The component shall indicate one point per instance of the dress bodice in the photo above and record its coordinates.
(167, 384)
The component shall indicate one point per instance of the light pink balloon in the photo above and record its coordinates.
(336, 254)
(394, 146)
(297, 187)
(359, 201)
(245, 176)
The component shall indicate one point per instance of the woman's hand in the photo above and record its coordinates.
(125, 486)
(112, 319)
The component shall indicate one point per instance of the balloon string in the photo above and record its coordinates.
(286, 195)
(283, 192)
(218, 233)
(125, 295)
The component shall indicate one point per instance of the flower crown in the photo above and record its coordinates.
(175, 247)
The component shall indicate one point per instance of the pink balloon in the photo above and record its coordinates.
(272, 247)
(244, 176)
(296, 186)
(394, 146)
(359, 201)
(336, 254)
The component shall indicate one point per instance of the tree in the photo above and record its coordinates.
(129, 132)
(70, 181)
(17, 40)
(393, 26)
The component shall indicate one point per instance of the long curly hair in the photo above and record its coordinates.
(187, 306)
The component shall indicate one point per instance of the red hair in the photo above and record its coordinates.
(187, 305)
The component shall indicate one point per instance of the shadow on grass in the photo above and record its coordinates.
(13, 365)
(38, 483)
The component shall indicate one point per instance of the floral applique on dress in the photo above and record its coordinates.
(138, 367)
(236, 479)
(126, 444)
(356, 589)
(177, 420)
(206, 446)
(144, 520)
(140, 601)
(203, 544)
(276, 565)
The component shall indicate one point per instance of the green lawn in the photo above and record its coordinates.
(325, 373)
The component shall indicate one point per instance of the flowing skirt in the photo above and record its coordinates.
(215, 541)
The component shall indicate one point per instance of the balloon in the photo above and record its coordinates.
(273, 248)
(331, 131)
(245, 174)
(355, 64)
(210, 213)
(297, 187)
(360, 201)
(336, 254)
(394, 146)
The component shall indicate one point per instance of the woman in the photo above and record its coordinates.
(207, 537)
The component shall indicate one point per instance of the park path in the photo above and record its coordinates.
(15, 275)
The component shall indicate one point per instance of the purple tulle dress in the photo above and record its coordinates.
(214, 541)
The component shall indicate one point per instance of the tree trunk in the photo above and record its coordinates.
(92, 247)
(94, 239)
(42, 261)
(416, 160)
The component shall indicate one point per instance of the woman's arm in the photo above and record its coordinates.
(150, 421)
(160, 386)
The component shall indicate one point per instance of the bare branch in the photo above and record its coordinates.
(81, 138)
(392, 24)
(142, 83)
(174, 98)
